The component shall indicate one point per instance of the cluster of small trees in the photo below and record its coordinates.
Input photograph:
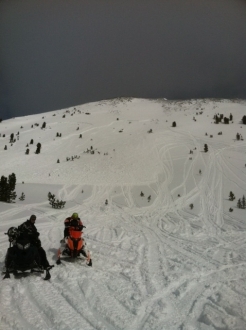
(11, 139)
(149, 197)
(36, 124)
(38, 149)
(218, 119)
(90, 151)
(55, 203)
(241, 204)
(239, 137)
(7, 188)
(72, 158)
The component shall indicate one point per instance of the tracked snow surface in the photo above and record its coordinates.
(171, 258)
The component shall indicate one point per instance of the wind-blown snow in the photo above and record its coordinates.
(157, 263)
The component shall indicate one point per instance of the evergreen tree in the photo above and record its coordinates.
(31, 142)
(11, 138)
(217, 119)
(3, 189)
(243, 202)
(60, 204)
(205, 148)
(44, 125)
(7, 188)
(231, 196)
(55, 203)
(12, 181)
(244, 120)
(239, 204)
(38, 148)
(11, 188)
(174, 124)
(22, 197)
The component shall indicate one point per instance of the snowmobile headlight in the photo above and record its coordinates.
(26, 246)
(23, 247)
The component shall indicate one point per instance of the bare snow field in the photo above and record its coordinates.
(158, 262)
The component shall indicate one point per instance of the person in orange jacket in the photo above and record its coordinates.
(73, 221)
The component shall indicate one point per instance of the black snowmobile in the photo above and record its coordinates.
(22, 256)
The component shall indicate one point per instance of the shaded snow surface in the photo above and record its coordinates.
(157, 263)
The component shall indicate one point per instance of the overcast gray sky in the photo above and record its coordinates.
(60, 53)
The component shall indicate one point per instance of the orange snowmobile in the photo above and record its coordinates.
(74, 246)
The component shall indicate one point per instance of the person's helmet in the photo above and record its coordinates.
(33, 217)
(75, 216)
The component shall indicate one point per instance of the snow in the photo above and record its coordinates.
(157, 263)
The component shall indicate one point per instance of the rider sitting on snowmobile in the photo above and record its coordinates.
(29, 232)
(15, 256)
(73, 221)
(75, 224)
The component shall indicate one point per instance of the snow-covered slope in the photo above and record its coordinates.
(158, 263)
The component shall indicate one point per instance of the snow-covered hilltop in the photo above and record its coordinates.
(168, 246)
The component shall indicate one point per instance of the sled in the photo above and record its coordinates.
(22, 258)
(73, 248)
(18, 273)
